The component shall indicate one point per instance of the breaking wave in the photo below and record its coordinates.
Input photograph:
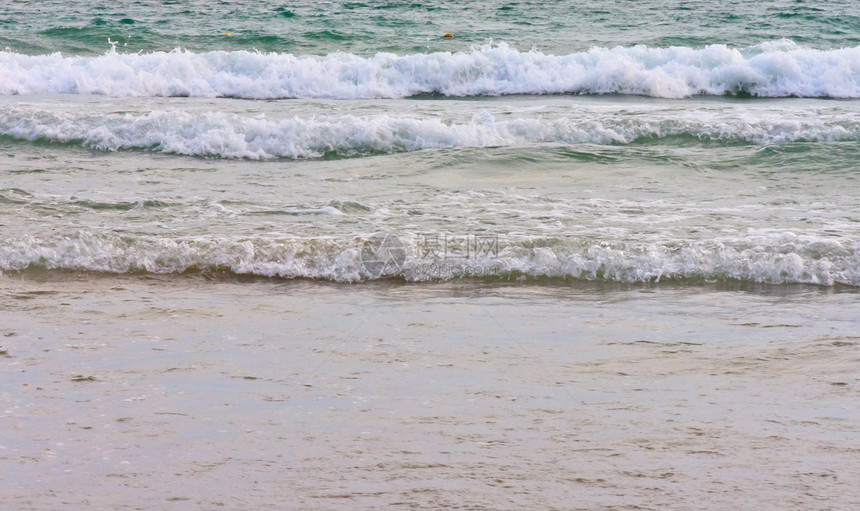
(773, 69)
(778, 258)
(226, 135)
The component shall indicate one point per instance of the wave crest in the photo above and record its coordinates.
(227, 135)
(780, 258)
(775, 69)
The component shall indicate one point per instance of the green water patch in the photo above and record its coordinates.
(350, 207)
(81, 40)
(810, 157)
(120, 206)
(285, 13)
(328, 35)
(75, 143)
(264, 42)
(388, 6)
(96, 38)
(28, 46)
(15, 196)
(684, 140)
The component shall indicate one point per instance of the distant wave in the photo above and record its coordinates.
(774, 69)
(227, 135)
(779, 258)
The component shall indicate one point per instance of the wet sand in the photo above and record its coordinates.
(188, 393)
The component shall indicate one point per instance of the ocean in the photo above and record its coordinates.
(490, 255)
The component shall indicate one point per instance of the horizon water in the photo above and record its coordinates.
(318, 255)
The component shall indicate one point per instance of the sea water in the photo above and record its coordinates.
(640, 215)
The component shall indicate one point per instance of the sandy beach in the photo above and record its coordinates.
(155, 393)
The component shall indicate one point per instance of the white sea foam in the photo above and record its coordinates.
(775, 69)
(780, 258)
(233, 136)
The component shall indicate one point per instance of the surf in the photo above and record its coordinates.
(774, 258)
(774, 69)
(261, 137)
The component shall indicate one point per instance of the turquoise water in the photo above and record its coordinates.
(364, 28)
